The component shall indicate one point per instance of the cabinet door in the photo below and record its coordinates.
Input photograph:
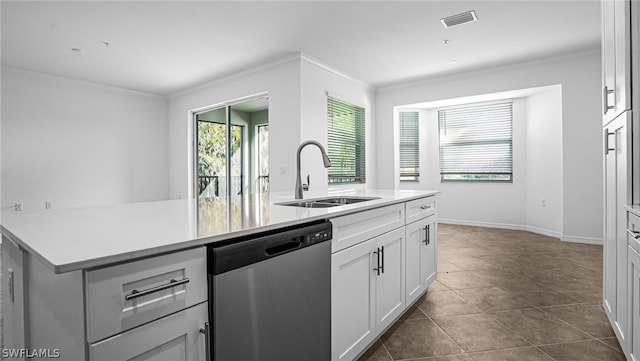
(415, 234)
(616, 58)
(420, 257)
(615, 247)
(12, 296)
(389, 277)
(428, 266)
(174, 337)
(352, 304)
(633, 347)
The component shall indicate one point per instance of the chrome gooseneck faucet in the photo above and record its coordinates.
(325, 160)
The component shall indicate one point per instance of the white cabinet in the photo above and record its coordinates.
(352, 307)
(420, 257)
(358, 227)
(174, 337)
(150, 309)
(12, 296)
(124, 296)
(367, 294)
(389, 277)
(617, 195)
(633, 347)
(616, 60)
(379, 265)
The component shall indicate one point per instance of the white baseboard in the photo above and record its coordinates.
(582, 239)
(518, 227)
(482, 224)
(545, 232)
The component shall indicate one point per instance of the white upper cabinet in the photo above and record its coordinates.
(616, 64)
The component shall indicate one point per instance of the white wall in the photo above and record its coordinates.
(494, 204)
(297, 88)
(280, 81)
(544, 166)
(579, 76)
(80, 144)
(316, 80)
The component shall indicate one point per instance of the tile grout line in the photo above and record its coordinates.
(540, 250)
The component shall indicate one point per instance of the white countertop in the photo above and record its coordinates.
(79, 238)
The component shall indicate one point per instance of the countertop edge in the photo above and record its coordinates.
(634, 208)
(111, 260)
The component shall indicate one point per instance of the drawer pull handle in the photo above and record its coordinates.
(425, 207)
(172, 283)
(634, 234)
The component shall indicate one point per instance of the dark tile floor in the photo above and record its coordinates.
(504, 295)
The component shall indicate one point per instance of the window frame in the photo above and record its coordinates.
(343, 141)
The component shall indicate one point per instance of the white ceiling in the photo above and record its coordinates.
(168, 46)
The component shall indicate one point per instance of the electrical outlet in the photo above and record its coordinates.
(283, 171)
(18, 207)
(543, 203)
(48, 204)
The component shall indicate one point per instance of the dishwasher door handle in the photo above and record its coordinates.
(282, 248)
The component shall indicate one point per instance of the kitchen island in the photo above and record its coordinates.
(69, 270)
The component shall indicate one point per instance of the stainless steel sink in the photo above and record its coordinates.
(326, 202)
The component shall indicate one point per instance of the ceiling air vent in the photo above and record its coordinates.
(458, 19)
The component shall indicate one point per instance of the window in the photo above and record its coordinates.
(409, 147)
(476, 143)
(346, 143)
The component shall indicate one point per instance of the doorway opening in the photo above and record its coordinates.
(232, 149)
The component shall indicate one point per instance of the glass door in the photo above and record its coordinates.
(232, 149)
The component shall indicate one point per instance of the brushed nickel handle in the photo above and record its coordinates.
(382, 263)
(425, 207)
(605, 99)
(135, 293)
(634, 234)
(206, 331)
(606, 141)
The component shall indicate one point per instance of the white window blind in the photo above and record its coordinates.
(476, 143)
(346, 142)
(409, 147)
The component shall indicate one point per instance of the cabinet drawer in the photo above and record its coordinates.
(633, 231)
(175, 337)
(122, 297)
(420, 208)
(355, 228)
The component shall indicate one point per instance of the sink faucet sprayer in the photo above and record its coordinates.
(325, 160)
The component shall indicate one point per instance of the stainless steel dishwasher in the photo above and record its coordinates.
(270, 296)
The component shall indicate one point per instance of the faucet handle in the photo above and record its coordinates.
(305, 187)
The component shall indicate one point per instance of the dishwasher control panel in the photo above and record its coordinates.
(319, 236)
